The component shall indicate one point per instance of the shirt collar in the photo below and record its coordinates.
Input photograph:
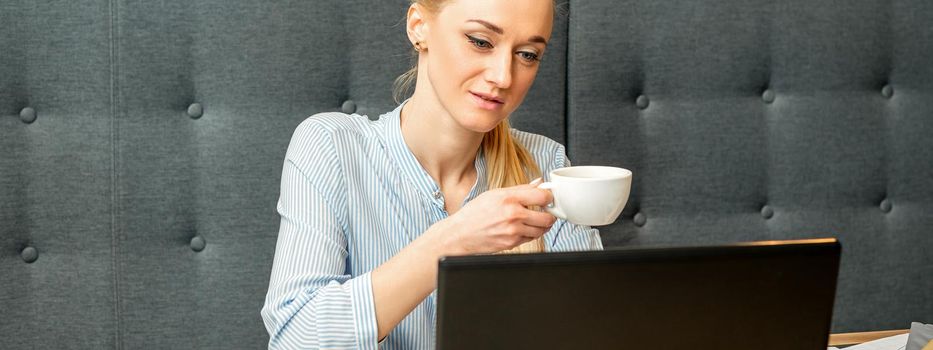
(414, 171)
(480, 185)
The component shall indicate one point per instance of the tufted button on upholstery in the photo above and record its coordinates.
(642, 101)
(29, 255)
(767, 212)
(27, 115)
(885, 206)
(373, 117)
(887, 91)
(767, 96)
(195, 110)
(198, 243)
(640, 219)
(348, 107)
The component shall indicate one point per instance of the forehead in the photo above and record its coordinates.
(524, 18)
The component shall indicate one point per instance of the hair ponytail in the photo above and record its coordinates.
(508, 163)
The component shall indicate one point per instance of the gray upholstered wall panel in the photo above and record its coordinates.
(256, 69)
(751, 120)
(56, 266)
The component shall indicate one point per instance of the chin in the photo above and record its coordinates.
(480, 122)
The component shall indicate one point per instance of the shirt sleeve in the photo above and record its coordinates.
(312, 301)
(566, 236)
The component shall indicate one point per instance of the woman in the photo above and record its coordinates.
(368, 207)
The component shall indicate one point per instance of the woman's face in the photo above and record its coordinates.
(483, 56)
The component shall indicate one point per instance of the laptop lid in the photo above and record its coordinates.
(759, 295)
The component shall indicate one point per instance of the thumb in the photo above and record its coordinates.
(536, 182)
(531, 195)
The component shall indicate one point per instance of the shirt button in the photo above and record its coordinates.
(437, 194)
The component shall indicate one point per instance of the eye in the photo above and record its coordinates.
(529, 56)
(479, 43)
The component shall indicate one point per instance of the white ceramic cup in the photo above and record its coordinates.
(588, 195)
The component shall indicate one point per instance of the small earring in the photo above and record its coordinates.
(419, 47)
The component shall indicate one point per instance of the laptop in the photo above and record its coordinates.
(749, 296)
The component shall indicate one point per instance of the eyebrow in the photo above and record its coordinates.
(498, 30)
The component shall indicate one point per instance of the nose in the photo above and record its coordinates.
(499, 70)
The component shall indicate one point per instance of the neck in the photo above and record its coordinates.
(445, 149)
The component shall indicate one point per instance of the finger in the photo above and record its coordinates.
(533, 232)
(540, 219)
(531, 184)
(527, 195)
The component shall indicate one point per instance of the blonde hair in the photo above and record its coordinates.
(508, 163)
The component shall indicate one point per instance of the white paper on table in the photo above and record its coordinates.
(897, 342)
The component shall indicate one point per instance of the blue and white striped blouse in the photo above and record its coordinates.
(352, 196)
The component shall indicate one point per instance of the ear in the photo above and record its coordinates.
(417, 25)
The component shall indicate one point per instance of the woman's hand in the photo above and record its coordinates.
(494, 221)
(499, 220)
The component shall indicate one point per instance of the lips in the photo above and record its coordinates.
(488, 97)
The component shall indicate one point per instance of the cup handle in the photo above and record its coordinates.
(554, 207)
